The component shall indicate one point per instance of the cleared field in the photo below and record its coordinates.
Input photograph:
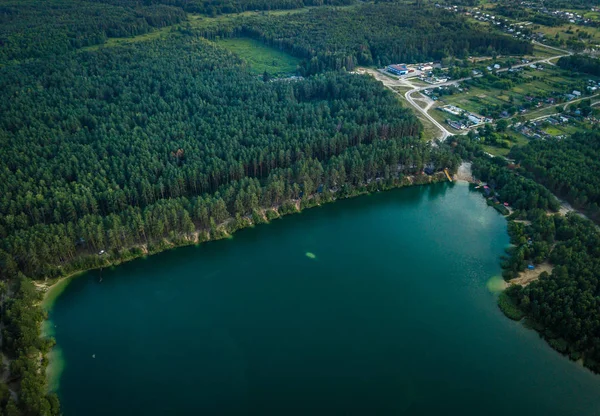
(564, 129)
(517, 139)
(496, 151)
(112, 42)
(260, 57)
(592, 15)
(571, 31)
(199, 21)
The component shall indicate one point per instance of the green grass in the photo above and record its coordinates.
(112, 42)
(441, 116)
(261, 57)
(562, 30)
(430, 131)
(199, 21)
(496, 151)
(553, 131)
(592, 15)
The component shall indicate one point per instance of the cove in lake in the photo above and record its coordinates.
(390, 314)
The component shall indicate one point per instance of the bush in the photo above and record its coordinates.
(509, 307)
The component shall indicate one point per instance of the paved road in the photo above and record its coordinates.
(407, 83)
(425, 112)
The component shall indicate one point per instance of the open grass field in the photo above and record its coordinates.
(261, 57)
(496, 151)
(199, 21)
(571, 31)
(592, 15)
(517, 140)
(553, 131)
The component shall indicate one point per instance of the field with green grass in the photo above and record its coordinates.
(261, 57)
(516, 139)
(570, 31)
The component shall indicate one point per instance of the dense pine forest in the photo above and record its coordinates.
(580, 63)
(104, 132)
(566, 167)
(32, 29)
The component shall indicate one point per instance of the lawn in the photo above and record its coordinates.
(261, 57)
(553, 131)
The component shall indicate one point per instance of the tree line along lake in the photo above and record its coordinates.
(378, 305)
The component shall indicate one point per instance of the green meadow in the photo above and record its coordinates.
(261, 57)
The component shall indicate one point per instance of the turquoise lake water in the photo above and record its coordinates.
(377, 305)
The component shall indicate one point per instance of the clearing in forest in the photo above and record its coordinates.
(261, 57)
(528, 276)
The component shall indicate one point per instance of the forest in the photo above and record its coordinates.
(127, 127)
(216, 7)
(377, 34)
(566, 167)
(32, 29)
(580, 63)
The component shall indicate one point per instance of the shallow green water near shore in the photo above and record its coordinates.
(379, 305)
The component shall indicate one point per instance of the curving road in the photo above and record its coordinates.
(444, 132)
(391, 82)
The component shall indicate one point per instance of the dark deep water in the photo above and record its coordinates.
(392, 317)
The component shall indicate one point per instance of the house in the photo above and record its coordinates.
(400, 69)
(473, 119)
(577, 93)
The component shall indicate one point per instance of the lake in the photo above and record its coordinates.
(377, 305)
